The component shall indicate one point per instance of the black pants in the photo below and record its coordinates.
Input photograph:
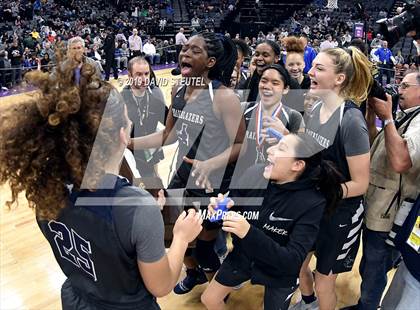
(110, 63)
(387, 71)
(178, 50)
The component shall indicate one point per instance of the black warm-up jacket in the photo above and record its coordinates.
(278, 241)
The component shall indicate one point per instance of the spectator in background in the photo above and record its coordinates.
(195, 23)
(346, 39)
(309, 54)
(4, 70)
(150, 53)
(180, 40)
(168, 52)
(15, 54)
(399, 59)
(35, 34)
(96, 55)
(75, 53)
(270, 36)
(45, 63)
(377, 42)
(135, 44)
(109, 51)
(327, 43)
(385, 60)
(125, 55)
(48, 50)
(120, 37)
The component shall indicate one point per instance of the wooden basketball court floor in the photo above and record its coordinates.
(31, 278)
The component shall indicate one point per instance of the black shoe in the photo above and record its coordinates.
(353, 307)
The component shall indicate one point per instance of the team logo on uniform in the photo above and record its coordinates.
(274, 218)
(183, 134)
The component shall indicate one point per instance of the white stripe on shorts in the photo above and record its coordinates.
(342, 256)
(355, 230)
(348, 244)
(358, 213)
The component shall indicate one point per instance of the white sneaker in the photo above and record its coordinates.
(301, 305)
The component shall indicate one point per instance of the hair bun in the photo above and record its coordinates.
(294, 45)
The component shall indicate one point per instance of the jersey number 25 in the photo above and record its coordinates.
(73, 248)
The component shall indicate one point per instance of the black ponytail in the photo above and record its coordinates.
(329, 181)
(323, 172)
(225, 52)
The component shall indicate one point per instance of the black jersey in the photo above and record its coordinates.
(201, 135)
(284, 231)
(91, 253)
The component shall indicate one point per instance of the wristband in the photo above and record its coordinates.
(388, 121)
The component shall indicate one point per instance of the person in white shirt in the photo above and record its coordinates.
(180, 40)
(328, 43)
(135, 44)
(270, 36)
(346, 39)
(150, 53)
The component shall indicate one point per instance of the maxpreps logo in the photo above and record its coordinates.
(248, 215)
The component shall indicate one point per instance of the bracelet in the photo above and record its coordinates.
(388, 121)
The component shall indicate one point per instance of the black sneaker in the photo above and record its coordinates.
(194, 277)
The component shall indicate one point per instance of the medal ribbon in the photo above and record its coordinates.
(259, 121)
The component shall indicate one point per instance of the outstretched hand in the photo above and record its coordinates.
(201, 171)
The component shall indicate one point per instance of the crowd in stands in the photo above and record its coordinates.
(209, 14)
(31, 33)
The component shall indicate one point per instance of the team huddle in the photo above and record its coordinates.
(285, 151)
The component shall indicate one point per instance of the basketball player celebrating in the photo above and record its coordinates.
(269, 112)
(271, 249)
(209, 127)
(340, 78)
(64, 149)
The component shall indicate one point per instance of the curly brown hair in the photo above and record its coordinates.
(293, 45)
(47, 141)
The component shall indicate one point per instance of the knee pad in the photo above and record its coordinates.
(206, 256)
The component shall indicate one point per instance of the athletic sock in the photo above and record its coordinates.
(309, 299)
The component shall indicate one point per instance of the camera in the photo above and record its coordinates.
(398, 26)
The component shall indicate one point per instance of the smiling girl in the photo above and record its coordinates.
(266, 53)
(341, 79)
(295, 63)
(269, 112)
(271, 249)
